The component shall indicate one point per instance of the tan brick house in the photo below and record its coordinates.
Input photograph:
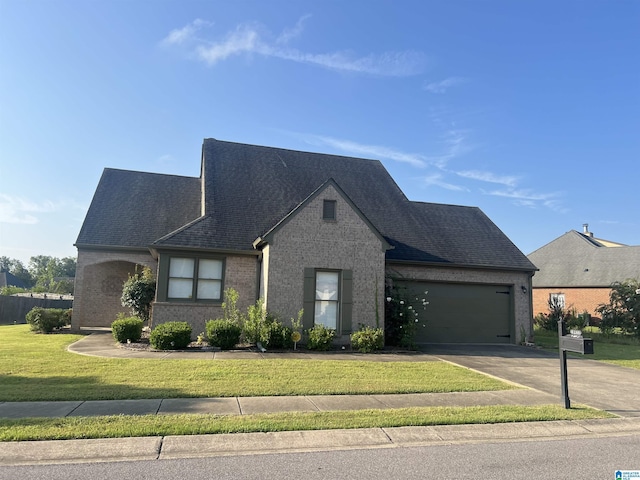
(578, 269)
(301, 230)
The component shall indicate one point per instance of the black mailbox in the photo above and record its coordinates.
(572, 343)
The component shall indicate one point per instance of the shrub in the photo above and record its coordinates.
(278, 336)
(138, 292)
(557, 312)
(546, 322)
(367, 339)
(264, 327)
(255, 325)
(127, 328)
(171, 336)
(320, 338)
(46, 320)
(230, 310)
(223, 333)
(11, 290)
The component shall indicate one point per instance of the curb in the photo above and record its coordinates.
(198, 446)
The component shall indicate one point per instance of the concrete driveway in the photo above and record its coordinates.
(600, 385)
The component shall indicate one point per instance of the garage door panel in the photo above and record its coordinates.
(462, 313)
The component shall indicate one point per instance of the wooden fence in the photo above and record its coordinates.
(13, 309)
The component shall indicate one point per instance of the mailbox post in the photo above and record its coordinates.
(574, 342)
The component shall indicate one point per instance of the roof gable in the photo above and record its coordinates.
(575, 260)
(322, 188)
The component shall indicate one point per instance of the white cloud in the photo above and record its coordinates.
(455, 145)
(19, 210)
(443, 85)
(182, 35)
(391, 64)
(369, 151)
(290, 33)
(529, 198)
(437, 179)
(523, 194)
(247, 39)
(508, 180)
(244, 39)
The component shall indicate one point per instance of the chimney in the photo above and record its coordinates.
(585, 230)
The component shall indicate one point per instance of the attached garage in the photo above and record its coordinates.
(463, 312)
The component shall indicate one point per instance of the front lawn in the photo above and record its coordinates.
(36, 367)
(160, 425)
(618, 349)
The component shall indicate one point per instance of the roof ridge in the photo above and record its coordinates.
(139, 172)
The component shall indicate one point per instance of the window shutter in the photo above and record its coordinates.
(309, 294)
(347, 301)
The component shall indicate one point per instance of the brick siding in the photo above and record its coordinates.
(582, 299)
(100, 276)
(308, 241)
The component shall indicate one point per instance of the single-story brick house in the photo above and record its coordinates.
(301, 230)
(578, 269)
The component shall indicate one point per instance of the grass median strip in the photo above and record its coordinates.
(160, 425)
(38, 368)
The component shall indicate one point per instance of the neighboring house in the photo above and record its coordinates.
(301, 230)
(577, 269)
(10, 280)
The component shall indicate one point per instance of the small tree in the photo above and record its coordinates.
(623, 309)
(230, 309)
(138, 293)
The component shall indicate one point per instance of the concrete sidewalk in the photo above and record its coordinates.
(254, 405)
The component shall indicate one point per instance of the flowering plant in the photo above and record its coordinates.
(405, 313)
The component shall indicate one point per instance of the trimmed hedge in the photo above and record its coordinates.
(278, 336)
(320, 338)
(127, 328)
(46, 320)
(223, 333)
(367, 339)
(171, 336)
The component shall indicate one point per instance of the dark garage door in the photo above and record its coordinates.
(463, 313)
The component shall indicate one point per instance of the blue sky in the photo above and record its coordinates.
(526, 109)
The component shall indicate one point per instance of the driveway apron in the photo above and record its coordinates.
(604, 386)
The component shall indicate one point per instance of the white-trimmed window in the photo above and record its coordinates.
(327, 301)
(195, 279)
(557, 299)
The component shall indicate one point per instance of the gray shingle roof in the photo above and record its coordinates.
(9, 279)
(465, 236)
(249, 189)
(575, 260)
(133, 209)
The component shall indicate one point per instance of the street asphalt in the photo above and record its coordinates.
(607, 387)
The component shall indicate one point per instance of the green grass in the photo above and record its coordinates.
(617, 349)
(160, 425)
(38, 368)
